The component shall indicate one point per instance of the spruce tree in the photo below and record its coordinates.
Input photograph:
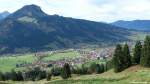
(118, 59)
(145, 59)
(2, 76)
(137, 52)
(66, 72)
(13, 75)
(126, 57)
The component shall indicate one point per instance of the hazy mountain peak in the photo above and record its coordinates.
(28, 10)
(4, 15)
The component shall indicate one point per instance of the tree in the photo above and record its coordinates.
(137, 53)
(98, 68)
(2, 77)
(126, 57)
(13, 75)
(118, 59)
(92, 67)
(19, 76)
(66, 72)
(145, 59)
(48, 76)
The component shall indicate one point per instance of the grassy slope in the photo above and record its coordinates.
(135, 74)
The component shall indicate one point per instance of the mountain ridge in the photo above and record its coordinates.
(135, 24)
(23, 32)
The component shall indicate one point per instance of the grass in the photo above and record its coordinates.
(135, 74)
(132, 75)
(59, 56)
(9, 63)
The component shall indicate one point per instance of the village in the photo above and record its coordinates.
(85, 56)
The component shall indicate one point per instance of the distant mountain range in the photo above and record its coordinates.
(4, 14)
(135, 24)
(30, 29)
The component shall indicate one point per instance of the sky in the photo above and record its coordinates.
(95, 10)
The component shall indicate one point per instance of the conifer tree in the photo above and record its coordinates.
(66, 72)
(118, 59)
(2, 76)
(145, 59)
(137, 52)
(126, 57)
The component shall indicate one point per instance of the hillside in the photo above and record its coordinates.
(135, 74)
(135, 24)
(29, 29)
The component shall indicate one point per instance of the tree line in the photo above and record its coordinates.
(65, 72)
(123, 59)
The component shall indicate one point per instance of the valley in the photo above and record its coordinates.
(39, 48)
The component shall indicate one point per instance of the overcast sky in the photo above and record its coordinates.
(96, 10)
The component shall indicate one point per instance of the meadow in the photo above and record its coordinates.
(132, 75)
(8, 63)
(135, 74)
(62, 55)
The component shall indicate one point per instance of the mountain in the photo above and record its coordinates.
(30, 29)
(136, 24)
(3, 15)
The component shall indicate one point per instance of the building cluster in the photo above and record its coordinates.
(85, 56)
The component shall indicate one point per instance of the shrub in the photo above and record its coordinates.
(92, 68)
(34, 74)
(56, 71)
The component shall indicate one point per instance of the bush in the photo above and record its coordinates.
(56, 71)
(92, 68)
(100, 68)
(109, 65)
(35, 74)
(19, 76)
(75, 70)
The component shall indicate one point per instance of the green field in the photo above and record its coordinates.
(9, 63)
(62, 55)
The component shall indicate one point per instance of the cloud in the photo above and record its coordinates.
(97, 10)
